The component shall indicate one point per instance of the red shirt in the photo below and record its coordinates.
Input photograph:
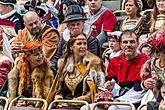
(5, 67)
(106, 21)
(124, 70)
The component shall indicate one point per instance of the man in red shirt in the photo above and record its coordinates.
(125, 69)
(101, 19)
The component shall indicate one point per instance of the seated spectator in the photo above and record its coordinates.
(158, 15)
(153, 70)
(33, 30)
(40, 8)
(31, 75)
(101, 20)
(145, 5)
(75, 22)
(5, 63)
(79, 75)
(9, 34)
(63, 7)
(125, 69)
(135, 21)
(61, 16)
(8, 11)
(114, 49)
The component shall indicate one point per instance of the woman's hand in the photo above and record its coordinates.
(109, 85)
(149, 83)
(162, 105)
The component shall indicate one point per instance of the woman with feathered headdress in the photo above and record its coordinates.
(153, 71)
(31, 75)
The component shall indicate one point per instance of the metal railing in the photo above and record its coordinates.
(114, 103)
(30, 99)
(69, 101)
(141, 107)
(6, 102)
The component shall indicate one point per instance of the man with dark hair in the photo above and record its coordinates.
(8, 11)
(125, 69)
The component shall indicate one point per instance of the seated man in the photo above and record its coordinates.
(5, 65)
(8, 11)
(31, 75)
(34, 29)
(101, 20)
(125, 69)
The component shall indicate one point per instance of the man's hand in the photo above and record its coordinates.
(16, 47)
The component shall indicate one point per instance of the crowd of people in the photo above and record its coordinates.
(80, 50)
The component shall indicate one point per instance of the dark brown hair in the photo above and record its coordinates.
(129, 32)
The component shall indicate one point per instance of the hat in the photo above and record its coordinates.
(115, 34)
(157, 40)
(31, 4)
(6, 2)
(32, 47)
(74, 13)
(43, 9)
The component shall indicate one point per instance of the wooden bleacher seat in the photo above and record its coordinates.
(6, 103)
(11, 107)
(67, 101)
(120, 14)
(112, 4)
(147, 11)
(114, 103)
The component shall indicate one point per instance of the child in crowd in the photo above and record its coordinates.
(114, 49)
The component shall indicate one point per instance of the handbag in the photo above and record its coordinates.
(103, 95)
